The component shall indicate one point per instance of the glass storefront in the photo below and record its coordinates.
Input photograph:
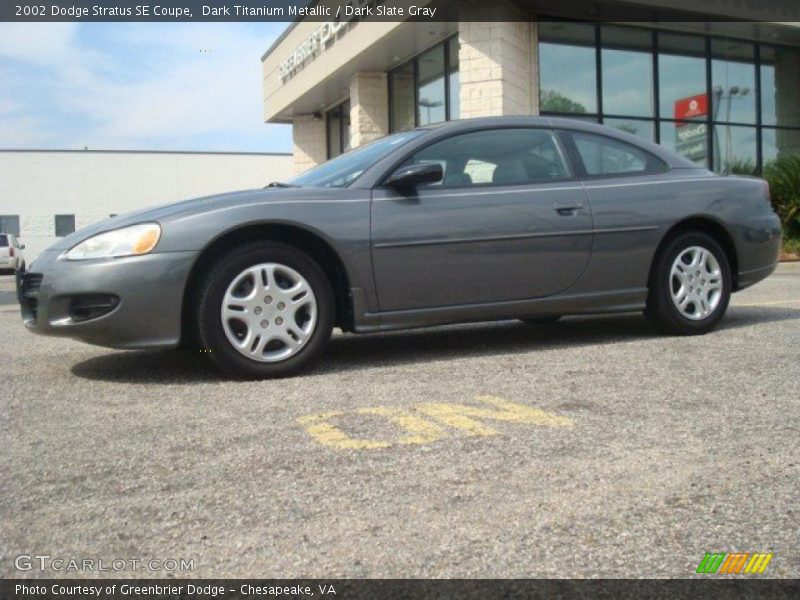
(730, 105)
(425, 90)
(727, 104)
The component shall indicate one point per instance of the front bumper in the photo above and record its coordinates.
(145, 295)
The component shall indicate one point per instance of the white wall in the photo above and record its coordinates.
(37, 185)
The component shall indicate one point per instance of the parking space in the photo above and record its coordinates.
(592, 447)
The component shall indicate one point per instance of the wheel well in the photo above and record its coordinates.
(709, 227)
(300, 238)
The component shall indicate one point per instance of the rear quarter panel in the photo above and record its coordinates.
(634, 214)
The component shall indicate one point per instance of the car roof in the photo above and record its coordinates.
(673, 160)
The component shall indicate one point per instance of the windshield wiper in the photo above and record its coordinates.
(280, 184)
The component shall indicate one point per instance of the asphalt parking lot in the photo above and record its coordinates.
(592, 447)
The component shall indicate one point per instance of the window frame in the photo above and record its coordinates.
(572, 175)
(654, 166)
(337, 110)
(414, 63)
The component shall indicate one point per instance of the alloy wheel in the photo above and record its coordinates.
(269, 312)
(696, 283)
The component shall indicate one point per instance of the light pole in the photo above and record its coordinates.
(728, 95)
(429, 104)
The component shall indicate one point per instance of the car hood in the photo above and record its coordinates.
(167, 212)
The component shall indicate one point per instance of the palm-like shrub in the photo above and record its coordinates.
(783, 175)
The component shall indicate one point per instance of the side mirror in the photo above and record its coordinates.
(22, 246)
(410, 176)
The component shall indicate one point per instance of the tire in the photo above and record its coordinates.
(267, 331)
(543, 320)
(702, 285)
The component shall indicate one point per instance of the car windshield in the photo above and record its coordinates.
(345, 169)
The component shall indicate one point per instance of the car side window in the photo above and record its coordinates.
(509, 156)
(603, 155)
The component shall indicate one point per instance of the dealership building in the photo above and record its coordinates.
(726, 94)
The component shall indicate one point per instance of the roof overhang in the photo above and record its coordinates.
(309, 67)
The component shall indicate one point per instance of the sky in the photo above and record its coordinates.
(136, 86)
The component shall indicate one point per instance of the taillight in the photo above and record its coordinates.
(767, 195)
(11, 251)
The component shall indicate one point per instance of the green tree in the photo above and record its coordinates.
(783, 175)
(552, 101)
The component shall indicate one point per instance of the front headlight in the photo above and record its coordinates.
(127, 241)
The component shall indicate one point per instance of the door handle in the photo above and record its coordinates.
(567, 207)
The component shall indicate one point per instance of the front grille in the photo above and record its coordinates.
(29, 294)
(31, 283)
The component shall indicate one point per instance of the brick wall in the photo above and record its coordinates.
(369, 107)
(308, 136)
(497, 61)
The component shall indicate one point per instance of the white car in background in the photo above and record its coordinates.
(11, 256)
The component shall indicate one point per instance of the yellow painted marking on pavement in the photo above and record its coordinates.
(328, 434)
(421, 431)
(767, 303)
(422, 423)
(463, 417)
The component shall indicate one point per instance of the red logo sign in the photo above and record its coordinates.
(693, 106)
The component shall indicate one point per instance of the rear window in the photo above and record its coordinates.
(3, 241)
(604, 156)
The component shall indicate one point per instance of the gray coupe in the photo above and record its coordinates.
(527, 218)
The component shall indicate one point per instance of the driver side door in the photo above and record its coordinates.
(507, 222)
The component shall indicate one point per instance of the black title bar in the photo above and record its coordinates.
(396, 10)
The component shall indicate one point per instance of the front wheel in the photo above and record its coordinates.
(691, 285)
(265, 310)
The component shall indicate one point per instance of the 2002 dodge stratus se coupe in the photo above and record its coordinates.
(513, 217)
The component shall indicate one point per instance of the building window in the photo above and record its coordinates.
(338, 129)
(567, 70)
(431, 87)
(425, 90)
(65, 225)
(730, 105)
(9, 224)
(627, 59)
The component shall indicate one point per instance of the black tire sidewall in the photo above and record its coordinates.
(661, 308)
(214, 342)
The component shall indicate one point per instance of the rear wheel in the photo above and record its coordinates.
(691, 285)
(266, 310)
